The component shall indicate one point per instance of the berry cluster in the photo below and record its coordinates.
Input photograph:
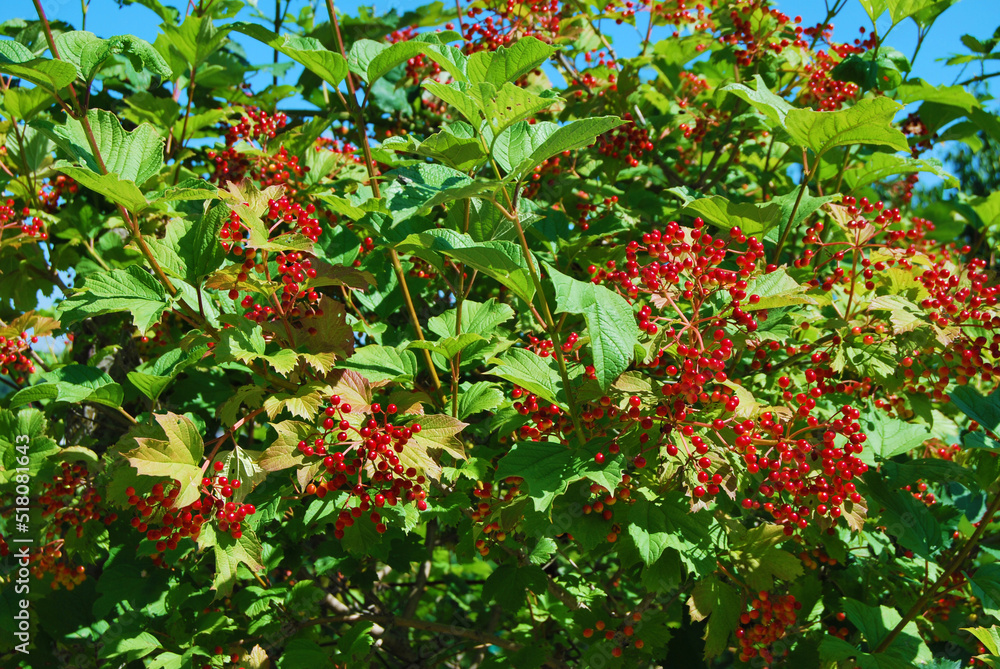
(59, 187)
(13, 361)
(166, 525)
(23, 221)
(768, 620)
(491, 501)
(624, 634)
(50, 560)
(70, 504)
(418, 67)
(604, 501)
(506, 21)
(757, 31)
(627, 142)
(365, 448)
(821, 90)
(816, 557)
(71, 500)
(589, 211)
(803, 479)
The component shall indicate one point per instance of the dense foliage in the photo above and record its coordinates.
(463, 339)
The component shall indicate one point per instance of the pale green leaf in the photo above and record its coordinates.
(524, 146)
(535, 374)
(134, 155)
(610, 323)
(752, 219)
(72, 384)
(773, 107)
(501, 260)
(307, 51)
(132, 290)
(451, 59)
(89, 53)
(869, 121)
(17, 60)
(508, 64)
(115, 189)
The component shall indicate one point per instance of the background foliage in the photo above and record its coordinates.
(493, 348)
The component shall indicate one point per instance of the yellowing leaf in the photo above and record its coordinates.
(178, 457)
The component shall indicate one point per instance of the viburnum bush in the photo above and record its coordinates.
(468, 337)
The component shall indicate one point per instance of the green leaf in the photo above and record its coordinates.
(133, 156)
(131, 647)
(869, 121)
(245, 342)
(758, 559)
(457, 95)
(900, 10)
(889, 437)
(916, 90)
(419, 187)
(152, 377)
(535, 374)
(448, 346)
(456, 146)
(503, 106)
(874, 8)
(983, 410)
(438, 432)
(449, 58)
(721, 604)
(750, 218)
(230, 553)
(283, 453)
(905, 518)
(115, 189)
(881, 70)
(177, 457)
(72, 384)
(988, 636)
(880, 166)
(362, 52)
(524, 146)
(986, 586)
(195, 39)
(353, 644)
(509, 584)
(481, 396)
(307, 51)
(776, 289)
(132, 289)
(508, 64)
(24, 103)
(17, 60)
(610, 323)
(875, 623)
(650, 530)
(503, 261)
(89, 53)
(767, 103)
(190, 247)
(549, 467)
(383, 363)
(482, 318)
